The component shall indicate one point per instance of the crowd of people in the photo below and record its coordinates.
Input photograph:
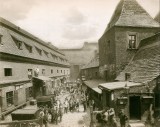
(71, 103)
(107, 118)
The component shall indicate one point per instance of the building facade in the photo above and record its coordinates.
(129, 25)
(138, 84)
(79, 57)
(23, 56)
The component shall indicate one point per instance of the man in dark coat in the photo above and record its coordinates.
(123, 118)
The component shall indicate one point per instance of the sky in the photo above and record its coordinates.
(66, 23)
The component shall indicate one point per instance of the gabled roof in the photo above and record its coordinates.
(11, 35)
(93, 63)
(145, 65)
(130, 13)
(157, 18)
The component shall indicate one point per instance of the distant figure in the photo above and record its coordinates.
(123, 118)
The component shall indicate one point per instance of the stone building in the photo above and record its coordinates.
(137, 87)
(91, 74)
(23, 56)
(129, 25)
(80, 57)
(91, 70)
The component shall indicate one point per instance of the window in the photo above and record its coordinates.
(57, 71)
(46, 53)
(17, 42)
(127, 76)
(51, 71)
(29, 48)
(132, 42)
(30, 92)
(64, 71)
(8, 71)
(30, 72)
(39, 51)
(9, 98)
(43, 71)
(1, 39)
(61, 71)
(19, 45)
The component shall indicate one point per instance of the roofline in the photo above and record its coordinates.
(148, 39)
(17, 29)
(11, 57)
(101, 87)
(89, 67)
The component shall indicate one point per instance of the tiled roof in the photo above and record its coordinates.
(130, 13)
(93, 84)
(11, 34)
(93, 63)
(157, 18)
(145, 65)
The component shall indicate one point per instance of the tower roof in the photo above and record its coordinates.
(157, 18)
(130, 13)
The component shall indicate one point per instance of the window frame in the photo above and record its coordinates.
(10, 73)
(132, 41)
(8, 97)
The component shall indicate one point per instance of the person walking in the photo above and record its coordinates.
(56, 115)
(66, 105)
(60, 112)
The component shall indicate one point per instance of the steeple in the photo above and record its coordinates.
(130, 13)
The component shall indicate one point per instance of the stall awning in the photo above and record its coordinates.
(118, 85)
(98, 90)
(93, 84)
(43, 78)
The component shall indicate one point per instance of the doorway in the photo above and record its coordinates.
(135, 107)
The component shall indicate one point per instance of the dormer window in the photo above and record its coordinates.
(29, 48)
(39, 51)
(132, 41)
(1, 39)
(19, 45)
(46, 53)
(127, 76)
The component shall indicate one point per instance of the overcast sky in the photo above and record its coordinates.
(65, 23)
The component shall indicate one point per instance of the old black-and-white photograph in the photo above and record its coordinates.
(79, 63)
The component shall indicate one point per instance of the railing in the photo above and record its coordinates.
(23, 123)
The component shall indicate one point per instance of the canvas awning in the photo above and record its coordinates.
(118, 85)
(43, 78)
(93, 84)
